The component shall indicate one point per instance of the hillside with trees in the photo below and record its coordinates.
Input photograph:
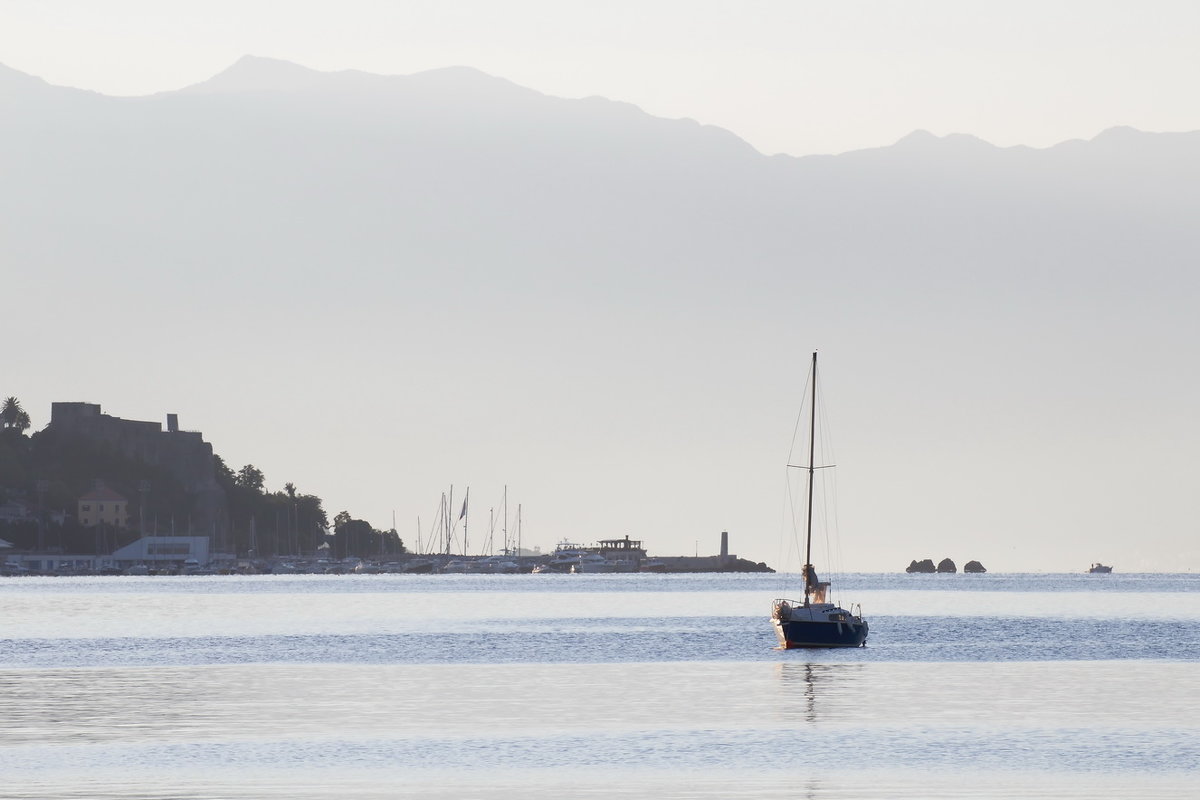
(43, 475)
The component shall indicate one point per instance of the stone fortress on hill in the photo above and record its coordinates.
(183, 454)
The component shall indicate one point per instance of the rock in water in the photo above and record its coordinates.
(974, 566)
(946, 565)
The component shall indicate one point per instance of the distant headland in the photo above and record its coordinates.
(97, 493)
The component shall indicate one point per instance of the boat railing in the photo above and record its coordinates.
(782, 608)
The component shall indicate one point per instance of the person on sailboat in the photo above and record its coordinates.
(815, 589)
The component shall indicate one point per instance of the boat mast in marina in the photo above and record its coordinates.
(463, 517)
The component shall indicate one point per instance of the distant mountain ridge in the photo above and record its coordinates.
(579, 296)
(256, 74)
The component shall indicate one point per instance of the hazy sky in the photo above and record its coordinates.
(635, 376)
(797, 77)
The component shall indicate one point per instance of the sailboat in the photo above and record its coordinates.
(815, 622)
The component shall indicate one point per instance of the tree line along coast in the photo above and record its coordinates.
(91, 484)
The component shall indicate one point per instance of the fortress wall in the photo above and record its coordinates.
(184, 454)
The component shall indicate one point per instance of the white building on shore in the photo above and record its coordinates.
(162, 550)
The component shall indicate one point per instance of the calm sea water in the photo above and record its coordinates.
(546, 686)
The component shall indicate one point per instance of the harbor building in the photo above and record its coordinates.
(162, 551)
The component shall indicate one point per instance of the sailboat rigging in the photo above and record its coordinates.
(815, 622)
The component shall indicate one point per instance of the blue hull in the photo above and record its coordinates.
(795, 634)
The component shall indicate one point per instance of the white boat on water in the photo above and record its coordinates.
(592, 563)
(577, 558)
(565, 556)
(497, 565)
(488, 565)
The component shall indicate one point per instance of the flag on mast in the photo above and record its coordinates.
(463, 513)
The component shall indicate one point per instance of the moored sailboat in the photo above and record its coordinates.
(815, 622)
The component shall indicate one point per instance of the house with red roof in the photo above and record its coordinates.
(102, 505)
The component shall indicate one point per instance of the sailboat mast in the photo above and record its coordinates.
(812, 450)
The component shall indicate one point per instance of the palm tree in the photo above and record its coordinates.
(9, 412)
(13, 417)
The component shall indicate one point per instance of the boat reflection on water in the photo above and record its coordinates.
(819, 692)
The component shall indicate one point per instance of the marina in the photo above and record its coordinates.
(191, 555)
